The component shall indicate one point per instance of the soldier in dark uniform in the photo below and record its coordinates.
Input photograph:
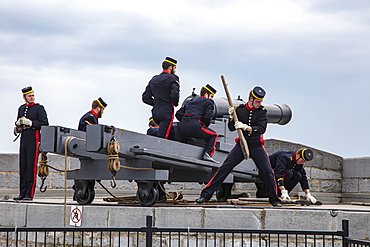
(289, 170)
(91, 117)
(163, 93)
(153, 127)
(253, 121)
(31, 116)
(195, 117)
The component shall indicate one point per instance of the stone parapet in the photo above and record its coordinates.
(328, 174)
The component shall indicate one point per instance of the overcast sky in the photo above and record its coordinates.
(311, 55)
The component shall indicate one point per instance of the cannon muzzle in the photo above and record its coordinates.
(277, 113)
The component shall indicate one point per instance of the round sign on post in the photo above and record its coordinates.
(75, 216)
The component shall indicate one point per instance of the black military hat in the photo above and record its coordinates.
(170, 61)
(210, 89)
(258, 93)
(307, 154)
(101, 102)
(27, 90)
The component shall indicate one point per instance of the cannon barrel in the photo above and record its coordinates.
(277, 113)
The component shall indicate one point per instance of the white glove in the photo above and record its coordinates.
(311, 198)
(27, 121)
(19, 121)
(231, 111)
(240, 125)
(284, 195)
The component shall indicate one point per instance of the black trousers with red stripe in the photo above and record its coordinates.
(163, 114)
(260, 158)
(191, 127)
(28, 159)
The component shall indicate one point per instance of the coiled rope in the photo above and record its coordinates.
(177, 198)
(113, 149)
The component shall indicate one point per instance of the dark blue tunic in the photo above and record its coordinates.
(28, 153)
(163, 93)
(88, 119)
(195, 117)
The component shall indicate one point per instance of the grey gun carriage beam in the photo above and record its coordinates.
(174, 156)
(93, 165)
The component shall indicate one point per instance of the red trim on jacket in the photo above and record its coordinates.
(295, 157)
(251, 109)
(94, 113)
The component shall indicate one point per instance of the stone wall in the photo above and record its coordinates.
(330, 176)
(356, 179)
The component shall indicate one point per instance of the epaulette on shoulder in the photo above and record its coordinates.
(91, 115)
(263, 108)
(239, 105)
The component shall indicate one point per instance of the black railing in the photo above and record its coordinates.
(172, 237)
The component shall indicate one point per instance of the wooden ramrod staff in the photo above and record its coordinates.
(243, 142)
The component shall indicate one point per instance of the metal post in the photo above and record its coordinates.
(149, 232)
(16, 235)
(345, 229)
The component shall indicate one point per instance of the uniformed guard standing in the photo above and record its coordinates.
(253, 121)
(195, 117)
(289, 170)
(91, 117)
(163, 93)
(31, 116)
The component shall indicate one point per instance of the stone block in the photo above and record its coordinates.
(172, 217)
(358, 223)
(356, 167)
(12, 180)
(330, 186)
(233, 218)
(324, 174)
(128, 216)
(57, 181)
(350, 185)
(2, 179)
(41, 215)
(13, 214)
(314, 184)
(364, 185)
(320, 220)
(331, 162)
(9, 162)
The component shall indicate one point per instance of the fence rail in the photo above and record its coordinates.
(172, 237)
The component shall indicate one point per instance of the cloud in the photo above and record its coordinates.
(311, 55)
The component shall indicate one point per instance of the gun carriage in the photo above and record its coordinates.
(148, 160)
